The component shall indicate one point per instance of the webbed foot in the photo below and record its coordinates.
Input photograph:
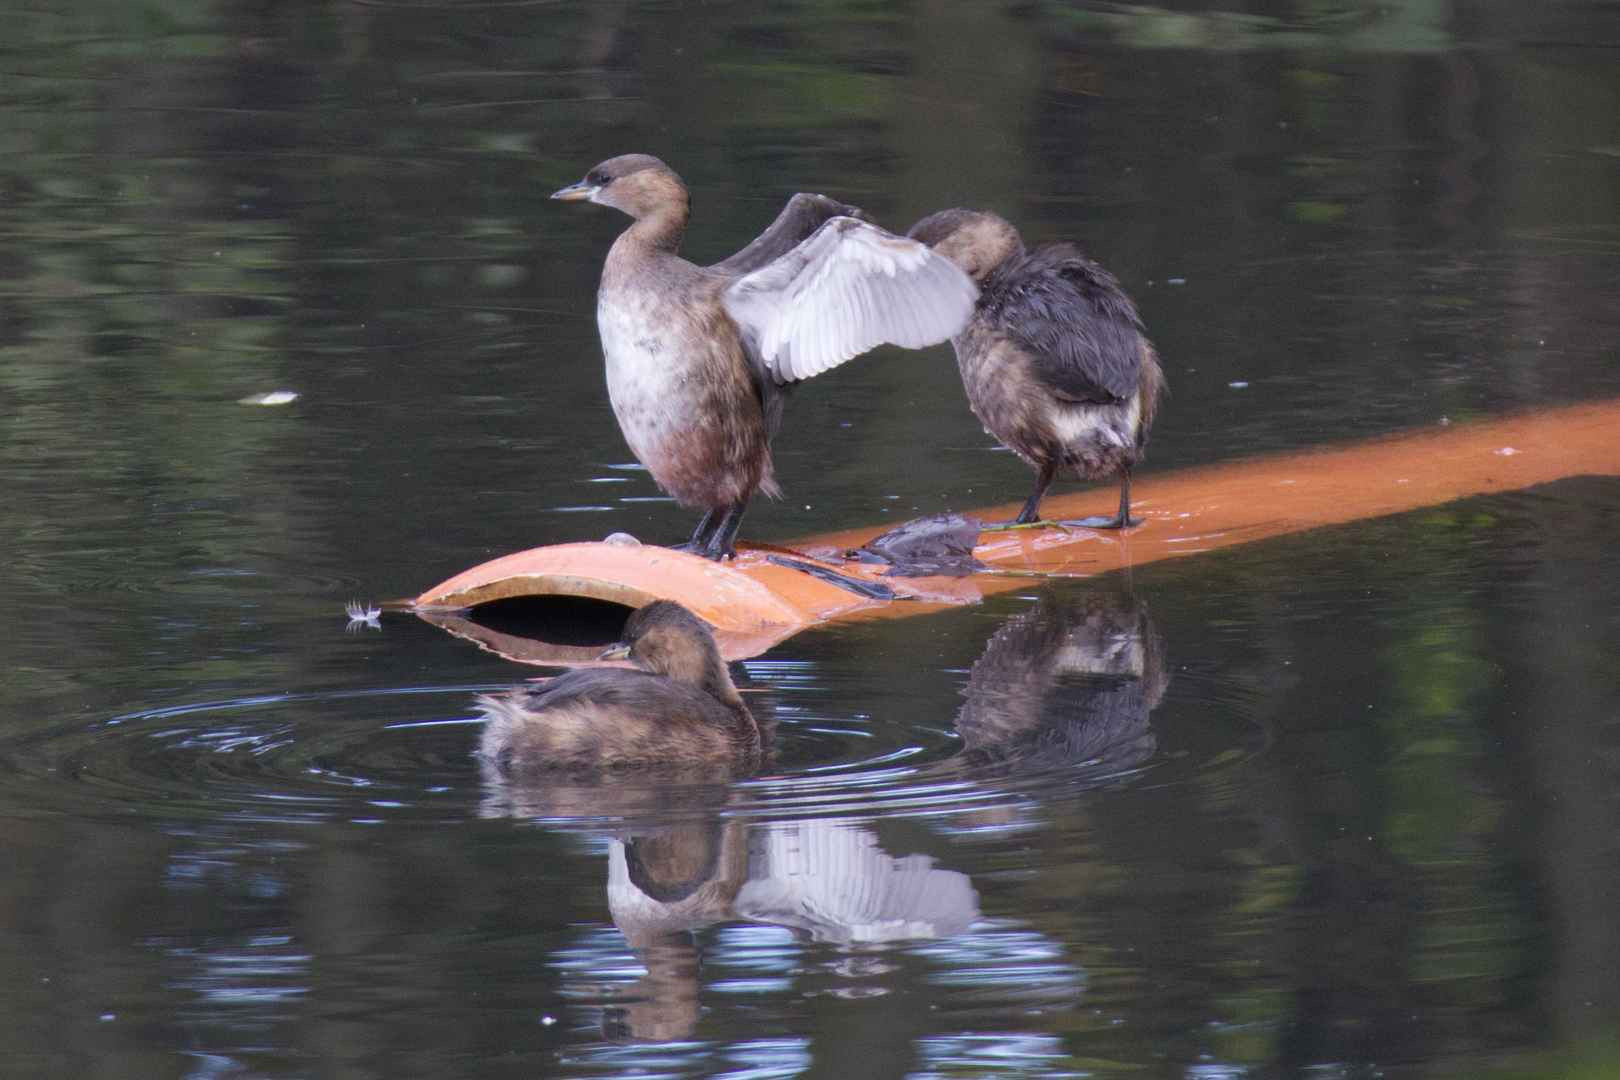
(1118, 521)
(1018, 525)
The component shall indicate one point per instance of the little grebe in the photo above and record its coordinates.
(699, 359)
(680, 708)
(1071, 680)
(1054, 360)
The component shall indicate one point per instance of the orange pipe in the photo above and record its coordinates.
(754, 603)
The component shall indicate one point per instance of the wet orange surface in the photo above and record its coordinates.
(756, 603)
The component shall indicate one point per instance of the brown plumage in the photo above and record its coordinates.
(1054, 361)
(699, 359)
(663, 884)
(679, 709)
(1069, 681)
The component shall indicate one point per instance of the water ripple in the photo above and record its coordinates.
(406, 754)
(1064, 700)
(295, 757)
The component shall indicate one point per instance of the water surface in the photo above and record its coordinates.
(1340, 804)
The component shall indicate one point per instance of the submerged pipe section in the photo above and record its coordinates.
(763, 597)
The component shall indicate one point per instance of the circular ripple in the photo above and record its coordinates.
(379, 756)
(364, 755)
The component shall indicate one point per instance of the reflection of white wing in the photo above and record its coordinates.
(831, 879)
(847, 288)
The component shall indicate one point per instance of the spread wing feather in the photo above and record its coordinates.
(803, 215)
(847, 288)
(1071, 316)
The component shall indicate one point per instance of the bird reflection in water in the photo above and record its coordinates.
(678, 866)
(1066, 687)
(1070, 682)
(828, 879)
(662, 885)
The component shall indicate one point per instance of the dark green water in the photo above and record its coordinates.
(1350, 809)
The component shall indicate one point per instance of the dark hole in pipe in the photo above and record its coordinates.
(575, 621)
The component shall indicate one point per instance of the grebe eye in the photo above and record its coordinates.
(597, 178)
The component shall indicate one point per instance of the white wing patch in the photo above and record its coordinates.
(849, 287)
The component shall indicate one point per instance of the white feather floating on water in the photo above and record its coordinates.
(274, 397)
